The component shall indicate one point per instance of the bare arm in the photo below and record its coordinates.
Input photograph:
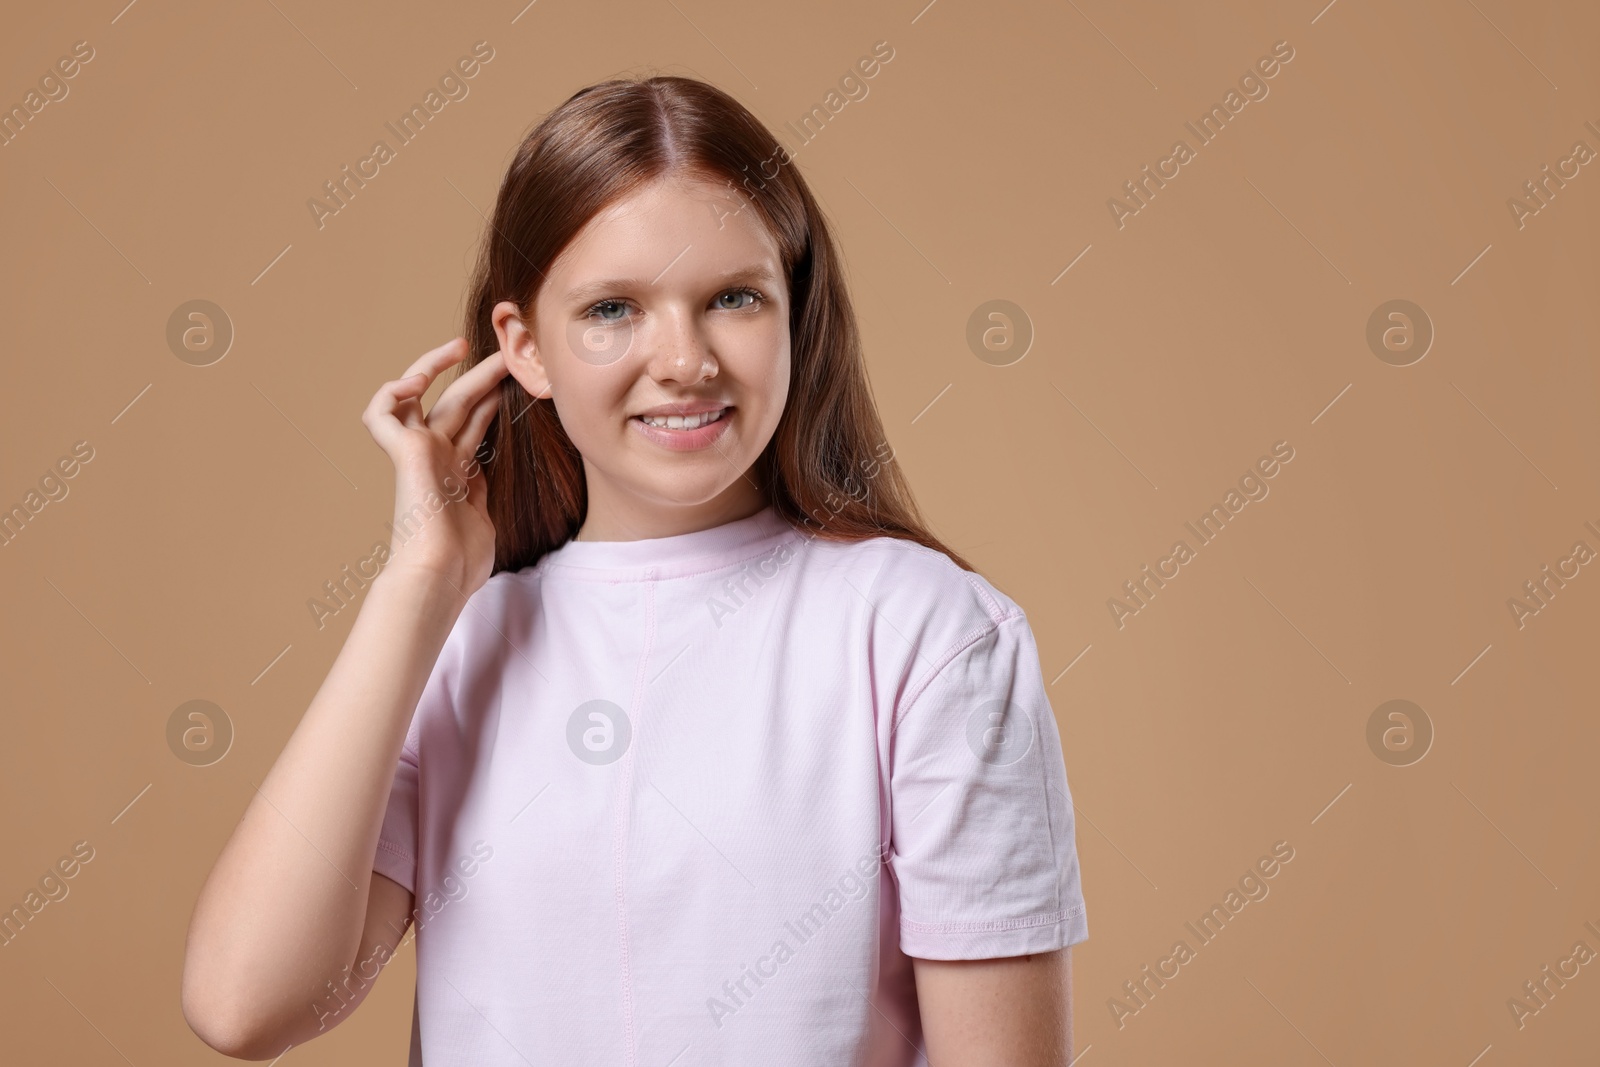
(291, 900)
(1011, 1012)
(286, 902)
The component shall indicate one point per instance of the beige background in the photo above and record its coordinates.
(1229, 714)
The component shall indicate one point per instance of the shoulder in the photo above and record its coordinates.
(499, 613)
(904, 572)
(488, 634)
(920, 606)
(508, 587)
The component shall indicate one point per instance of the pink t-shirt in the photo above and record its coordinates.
(697, 799)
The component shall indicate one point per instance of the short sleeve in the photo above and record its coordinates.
(399, 842)
(397, 839)
(983, 844)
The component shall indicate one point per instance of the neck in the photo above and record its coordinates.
(608, 518)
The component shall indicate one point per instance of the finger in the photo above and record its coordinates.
(462, 395)
(380, 415)
(394, 404)
(437, 359)
(470, 438)
(401, 390)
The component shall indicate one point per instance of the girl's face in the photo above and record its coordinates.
(671, 307)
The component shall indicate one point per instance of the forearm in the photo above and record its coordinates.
(283, 909)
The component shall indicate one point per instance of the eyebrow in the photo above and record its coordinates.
(594, 290)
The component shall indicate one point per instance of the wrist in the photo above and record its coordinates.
(425, 561)
(430, 584)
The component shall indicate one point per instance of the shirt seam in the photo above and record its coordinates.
(621, 829)
(647, 572)
(1050, 822)
(996, 613)
(913, 926)
(965, 642)
(397, 850)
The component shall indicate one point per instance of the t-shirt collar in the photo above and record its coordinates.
(665, 556)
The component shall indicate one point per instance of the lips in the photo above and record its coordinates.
(683, 420)
(690, 406)
(679, 439)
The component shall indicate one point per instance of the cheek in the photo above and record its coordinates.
(589, 412)
(754, 364)
(767, 373)
(764, 383)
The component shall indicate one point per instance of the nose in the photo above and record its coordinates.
(679, 351)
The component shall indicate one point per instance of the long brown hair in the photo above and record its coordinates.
(828, 469)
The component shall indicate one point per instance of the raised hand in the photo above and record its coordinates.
(442, 524)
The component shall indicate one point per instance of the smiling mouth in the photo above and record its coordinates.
(683, 422)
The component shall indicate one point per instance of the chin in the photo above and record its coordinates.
(690, 496)
(686, 489)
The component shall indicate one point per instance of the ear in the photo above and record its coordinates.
(521, 352)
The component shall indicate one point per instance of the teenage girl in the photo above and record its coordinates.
(668, 725)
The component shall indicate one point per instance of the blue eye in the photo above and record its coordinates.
(598, 311)
(606, 304)
(754, 296)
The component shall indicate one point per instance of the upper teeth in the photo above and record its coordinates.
(683, 422)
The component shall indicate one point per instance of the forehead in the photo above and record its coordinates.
(694, 226)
